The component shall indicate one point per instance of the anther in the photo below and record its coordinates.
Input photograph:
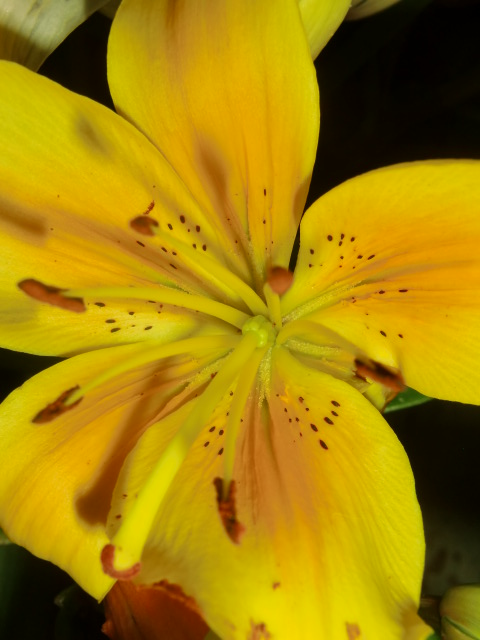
(51, 295)
(144, 225)
(280, 280)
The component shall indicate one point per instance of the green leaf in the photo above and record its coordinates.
(4, 539)
(406, 399)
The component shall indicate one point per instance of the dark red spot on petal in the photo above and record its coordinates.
(227, 511)
(314, 427)
(335, 403)
(56, 408)
(107, 557)
(323, 444)
(51, 295)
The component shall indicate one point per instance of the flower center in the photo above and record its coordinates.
(240, 368)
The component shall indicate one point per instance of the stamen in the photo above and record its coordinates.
(153, 354)
(144, 225)
(213, 270)
(280, 280)
(132, 535)
(57, 407)
(51, 295)
(227, 510)
(390, 378)
(166, 296)
(246, 380)
(316, 334)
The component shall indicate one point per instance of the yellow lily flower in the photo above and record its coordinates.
(215, 431)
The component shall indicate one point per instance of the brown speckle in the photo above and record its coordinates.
(110, 320)
(99, 304)
(329, 238)
(182, 219)
(313, 426)
(147, 328)
(115, 329)
(383, 334)
(328, 420)
(335, 403)
(323, 444)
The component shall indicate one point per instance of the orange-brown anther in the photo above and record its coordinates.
(56, 408)
(379, 373)
(280, 280)
(51, 295)
(227, 510)
(144, 225)
(107, 557)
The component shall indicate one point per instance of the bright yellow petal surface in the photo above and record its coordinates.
(333, 544)
(321, 20)
(390, 261)
(73, 176)
(58, 476)
(227, 91)
(31, 30)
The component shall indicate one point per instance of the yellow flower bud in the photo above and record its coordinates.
(460, 612)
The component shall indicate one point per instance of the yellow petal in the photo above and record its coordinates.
(390, 261)
(31, 30)
(227, 91)
(332, 543)
(73, 177)
(321, 20)
(58, 474)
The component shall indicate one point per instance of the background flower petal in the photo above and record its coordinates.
(227, 91)
(390, 261)
(321, 20)
(31, 30)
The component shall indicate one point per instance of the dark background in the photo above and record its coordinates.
(402, 85)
